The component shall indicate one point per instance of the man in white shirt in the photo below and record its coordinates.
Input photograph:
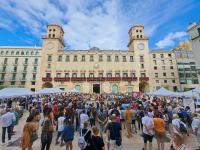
(148, 132)
(83, 118)
(61, 125)
(6, 120)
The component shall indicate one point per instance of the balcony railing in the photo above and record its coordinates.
(144, 78)
(2, 71)
(78, 79)
(35, 63)
(47, 79)
(95, 79)
(62, 79)
(4, 63)
(25, 63)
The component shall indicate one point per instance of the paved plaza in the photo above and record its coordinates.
(134, 143)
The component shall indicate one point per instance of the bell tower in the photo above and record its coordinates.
(137, 38)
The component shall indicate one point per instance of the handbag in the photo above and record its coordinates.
(34, 137)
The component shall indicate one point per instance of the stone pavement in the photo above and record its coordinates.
(134, 143)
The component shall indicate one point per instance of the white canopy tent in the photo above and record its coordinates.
(163, 92)
(49, 91)
(15, 92)
(73, 91)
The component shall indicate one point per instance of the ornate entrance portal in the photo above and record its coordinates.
(96, 88)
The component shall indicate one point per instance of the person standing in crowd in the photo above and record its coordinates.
(6, 120)
(196, 126)
(114, 133)
(148, 132)
(178, 142)
(61, 124)
(87, 134)
(102, 118)
(159, 128)
(47, 130)
(96, 142)
(128, 115)
(83, 118)
(68, 134)
(91, 115)
(29, 129)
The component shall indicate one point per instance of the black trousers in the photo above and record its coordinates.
(9, 131)
(46, 144)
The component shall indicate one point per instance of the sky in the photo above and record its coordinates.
(97, 23)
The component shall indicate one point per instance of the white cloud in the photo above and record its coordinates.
(101, 23)
(170, 39)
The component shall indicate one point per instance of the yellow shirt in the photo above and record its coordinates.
(159, 125)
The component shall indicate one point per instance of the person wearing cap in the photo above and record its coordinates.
(6, 121)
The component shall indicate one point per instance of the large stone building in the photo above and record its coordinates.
(19, 66)
(91, 70)
(186, 65)
(194, 36)
(95, 70)
(164, 70)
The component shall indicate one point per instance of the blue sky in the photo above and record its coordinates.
(100, 23)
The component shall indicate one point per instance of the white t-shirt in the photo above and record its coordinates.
(61, 123)
(148, 122)
(83, 118)
(195, 123)
(176, 123)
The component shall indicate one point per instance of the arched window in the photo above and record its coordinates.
(12, 53)
(37, 53)
(32, 53)
(78, 88)
(27, 52)
(22, 53)
(2, 52)
(7, 52)
(115, 88)
(17, 53)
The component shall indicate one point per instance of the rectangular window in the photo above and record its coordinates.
(2, 76)
(171, 67)
(161, 55)
(58, 75)
(154, 62)
(141, 58)
(83, 58)
(165, 81)
(143, 74)
(100, 74)
(163, 62)
(74, 75)
(171, 62)
(117, 74)
(49, 66)
(14, 76)
(164, 74)
(16, 60)
(75, 58)
(32, 83)
(109, 58)
(131, 59)
(124, 58)
(157, 81)
(163, 67)
(170, 55)
(36, 61)
(5, 60)
(12, 83)
(49, 58)
(154, 55)
(59, 58)
(173, 81)
(172, 74)
(156, 75)
(125, 74)
(100, 57)
(198, 31)
(66, 75)
(83, 75)
(34, 76)
(109, 74)
(67, 59)
(48, 75)
(155, 67)
(142, 66)
(133, 74)
(91, 58)
(91, 75)
(116, 58)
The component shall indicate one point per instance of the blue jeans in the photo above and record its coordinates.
(4, 133)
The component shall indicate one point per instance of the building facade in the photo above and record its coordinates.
(194, 36)
(19, 66)
(164, 71)
(95, 70)
(188, 75)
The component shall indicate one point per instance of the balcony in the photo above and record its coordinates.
(144, 78)
(24, 71)
(95, 79)
(35, 63)
(78, 79)
(46, 79)
(14, 71)
(129, 78)
(113, 79)
(23, 79)
(4, 63)
(15, 63)
(34, 71)
(62, 79)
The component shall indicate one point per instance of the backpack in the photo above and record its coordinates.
(81, 141)
(182, 128)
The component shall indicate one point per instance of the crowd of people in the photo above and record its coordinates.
(101, 120)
